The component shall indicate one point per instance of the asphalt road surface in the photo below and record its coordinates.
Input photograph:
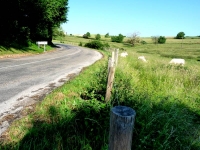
(23, 80)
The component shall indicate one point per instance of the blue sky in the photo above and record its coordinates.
(148, 17)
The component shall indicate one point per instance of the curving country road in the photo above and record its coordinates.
(23, 80)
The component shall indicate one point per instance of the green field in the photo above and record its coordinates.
(166, 99)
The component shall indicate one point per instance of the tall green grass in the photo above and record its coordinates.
(166, 99)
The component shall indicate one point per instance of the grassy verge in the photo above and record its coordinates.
(75, 116)
(32, 49)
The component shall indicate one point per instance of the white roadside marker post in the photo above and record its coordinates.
(41, 43)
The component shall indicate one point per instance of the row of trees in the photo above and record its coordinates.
(117, 39)
(24, 21)
(135, 38)
(97, 37)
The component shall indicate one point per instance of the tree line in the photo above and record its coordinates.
(27, 21)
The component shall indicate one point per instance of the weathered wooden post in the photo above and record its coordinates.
(122, 120)
(109, 64)
(116, 56)
(111, 73)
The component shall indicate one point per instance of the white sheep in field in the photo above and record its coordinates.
(124, 54)
(177, 61)
(142, 58)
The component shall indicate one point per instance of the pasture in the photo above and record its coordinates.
(166, 99)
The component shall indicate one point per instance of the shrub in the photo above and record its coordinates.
(98, 37)
(117, 39)
(106, 46)
(161, 40)
(143, 42)
(97, 45)
(134, 39)
(80, 44)
(87, 35)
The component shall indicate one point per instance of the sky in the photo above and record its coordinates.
(145, 17)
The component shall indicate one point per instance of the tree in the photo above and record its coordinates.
(134, 38)
(87, 35)
(98, 37)
(9, 26)
(53, 14)
(58, 32)
(31, 20)
(118, 39)
(161, 40)
(107, 35)
(180, 35)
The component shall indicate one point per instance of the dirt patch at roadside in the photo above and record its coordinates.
(22, 55)
(15, 55)
(27, 104)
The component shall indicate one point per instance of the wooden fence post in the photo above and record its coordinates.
(116, 56)
(111, 73)
(110, 83)
(122, 120)
(109, 64)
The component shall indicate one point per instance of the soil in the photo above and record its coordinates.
(21, 55)
(15, 55)
(26, 105)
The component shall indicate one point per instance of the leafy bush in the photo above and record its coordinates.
(143, 42)
(106, 46)
(134, 39)
(80, 44)
(87, 35)
(98, 37)
(161, 40)
(117, 39)
(97, 45)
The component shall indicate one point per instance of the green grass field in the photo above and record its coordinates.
(166, 99)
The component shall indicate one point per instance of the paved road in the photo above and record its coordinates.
(22, 78)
